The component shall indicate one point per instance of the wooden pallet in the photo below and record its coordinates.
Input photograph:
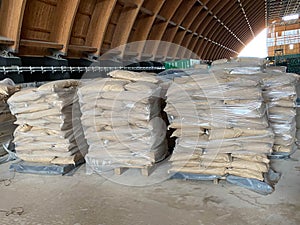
(196, 176)
(145, 170)
(217, 180)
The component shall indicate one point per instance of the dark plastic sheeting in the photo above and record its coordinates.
(255, 185)
(263, 188)
(10, 156)
(44, 169)
(197, 177)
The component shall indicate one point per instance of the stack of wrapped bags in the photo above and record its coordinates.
(221, 124)
(280, 95)
(298, 113)
(122, 121)
(7, 88)
(49, 128)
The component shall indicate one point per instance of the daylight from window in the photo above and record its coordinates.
(257, 47)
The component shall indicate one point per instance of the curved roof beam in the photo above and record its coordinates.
(172, 29)
(11, 18)
(149, 12)
(99, 23)
(125, 23)
(159, 28)
(183, 36)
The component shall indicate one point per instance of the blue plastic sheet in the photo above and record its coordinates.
(10, 156)
(44, 169)
(260, 187)
(197, 177)
(255, 185)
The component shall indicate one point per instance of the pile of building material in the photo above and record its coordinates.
(122, 121)
(221, 124)
(7, 88)
(280, 95)
(49, 128)
(298, 114)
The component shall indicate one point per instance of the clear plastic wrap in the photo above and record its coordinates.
(263, 188)
(7, 152)
(49, 124)
(237, 66)
(280, 94)
(217, 113)
(7, 89)
(45, 169)
(122, 120)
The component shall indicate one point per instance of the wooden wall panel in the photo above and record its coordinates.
(145, 21)
(213, 31)
(218, 35)
(199, 46)
(82, 21)
(38, 20)
(228, 39)
(182, 37)
(206, 24)
(144, 24)
(198, 22)
(11, 17)
(47, 25)
(65, 17)
(222, 35)
(158, 29)
(110, 32)
(99, 23)
(80, 27)
(169, 35)
(125, 23)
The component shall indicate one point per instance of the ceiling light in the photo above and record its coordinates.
(291, 17)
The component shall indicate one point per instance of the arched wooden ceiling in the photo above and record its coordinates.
(212, 29)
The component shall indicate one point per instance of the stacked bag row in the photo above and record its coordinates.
(122, 121)
(49, 127)
(298, 114)
(220, 121)
(280, 96)
(7, 89)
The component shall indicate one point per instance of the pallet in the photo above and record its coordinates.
(197, 177)
(217, 180)
(145, 170)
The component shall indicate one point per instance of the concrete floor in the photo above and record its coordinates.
(130, 199)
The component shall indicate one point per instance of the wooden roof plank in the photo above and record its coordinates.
(6, 41)
(144, 25)
(11, 17)
(81, 48)
(41, 44)
(62, 27)
(99, 23)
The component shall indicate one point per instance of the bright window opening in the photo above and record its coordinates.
(257, 47)
(291, 17)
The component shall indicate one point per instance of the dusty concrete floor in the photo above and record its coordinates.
(89, 200)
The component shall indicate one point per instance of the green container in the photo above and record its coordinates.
(181, 64)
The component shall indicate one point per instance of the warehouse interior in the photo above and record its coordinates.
(116, 112)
